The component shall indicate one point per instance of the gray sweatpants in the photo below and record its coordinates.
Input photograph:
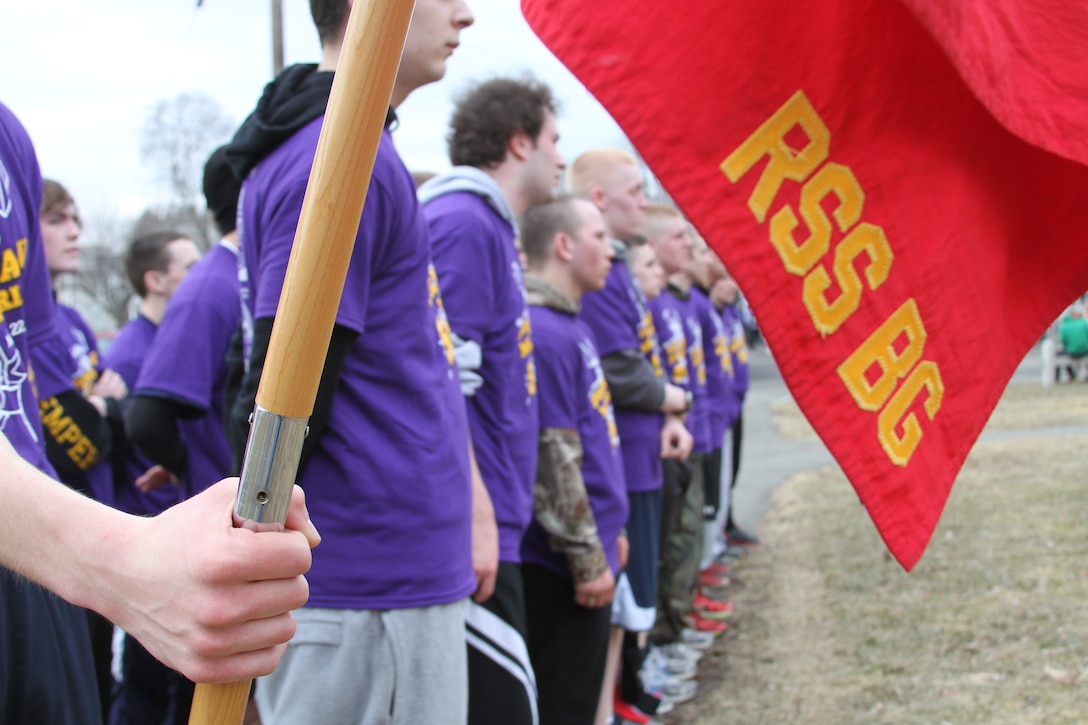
(351, 667)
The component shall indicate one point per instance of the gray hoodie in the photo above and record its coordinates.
(471, 179)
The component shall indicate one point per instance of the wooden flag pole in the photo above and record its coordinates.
(314, 282)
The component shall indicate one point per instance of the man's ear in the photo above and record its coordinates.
(596, 195)
(520, 146)
(564, 246)
(153, 281)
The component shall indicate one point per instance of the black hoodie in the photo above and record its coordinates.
(298, 95)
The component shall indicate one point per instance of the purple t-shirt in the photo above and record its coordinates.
(738, 348)
(669, 321)
(698, 420)
(70, 361)
(574, 395)
(484, 294)
(721, 400)
(125, 356)
(187, 361)
(388, 484)
(620, 320)
(25, 299)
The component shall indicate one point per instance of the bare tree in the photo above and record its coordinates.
(176, 139)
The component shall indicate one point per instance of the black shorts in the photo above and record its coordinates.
(47, 671)
(501, 684)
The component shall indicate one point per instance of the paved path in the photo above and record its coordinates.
(768, 458)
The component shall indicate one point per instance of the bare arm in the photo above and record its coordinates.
(485, 535)
(217, 608)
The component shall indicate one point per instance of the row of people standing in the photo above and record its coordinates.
(465, 441)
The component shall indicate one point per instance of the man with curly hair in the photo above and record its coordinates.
(502, 142)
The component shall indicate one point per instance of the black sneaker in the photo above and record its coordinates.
(739, 536)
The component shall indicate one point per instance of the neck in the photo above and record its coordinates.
(562, 282)
(506, 178)
(330, 55)
(153, 308)
(681, 280)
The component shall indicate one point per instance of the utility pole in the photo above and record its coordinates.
(277, 37)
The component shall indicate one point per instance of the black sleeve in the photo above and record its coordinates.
(231, 389)
(76, 435)
(632, 381)
(342, 340)
(115, 419)
(151, 424)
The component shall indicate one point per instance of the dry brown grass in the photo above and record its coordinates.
(990, 627)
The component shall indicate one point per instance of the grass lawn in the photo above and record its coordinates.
(990, 627)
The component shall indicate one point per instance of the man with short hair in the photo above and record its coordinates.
(648, 407)
(574, 547)
(668, 232)
(386, 463)
(175, 413)
(502, 143)
(156, 264)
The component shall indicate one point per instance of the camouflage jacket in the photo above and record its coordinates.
(560, 502)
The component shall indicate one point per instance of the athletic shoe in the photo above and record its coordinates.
(628, 713)
(680, 653)
(737, 535)
(696, 639)
(701, 624)
(680, 669)
(711, 608)
(718, 568)
(733, 554)
(647, 704)
(671, 690)
(678, 692)
(710, 580)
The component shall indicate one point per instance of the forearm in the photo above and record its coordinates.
(53, 535)
(561, 504)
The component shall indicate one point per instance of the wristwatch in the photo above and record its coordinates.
(689, 398)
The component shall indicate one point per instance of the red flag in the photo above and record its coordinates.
(901, 247)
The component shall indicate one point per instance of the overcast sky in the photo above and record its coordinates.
(83, 76)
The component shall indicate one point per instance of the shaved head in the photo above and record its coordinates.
(612, 180)
(596, 168)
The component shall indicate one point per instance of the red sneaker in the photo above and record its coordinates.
(701, 624)
(628, 712)
(712, 608)
(710, 580)
(718, 569)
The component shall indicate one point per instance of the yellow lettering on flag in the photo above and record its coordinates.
(885, 374)
(827, 317)
(900, 448)
(831, 179)
(880, 350)
(785, 162)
